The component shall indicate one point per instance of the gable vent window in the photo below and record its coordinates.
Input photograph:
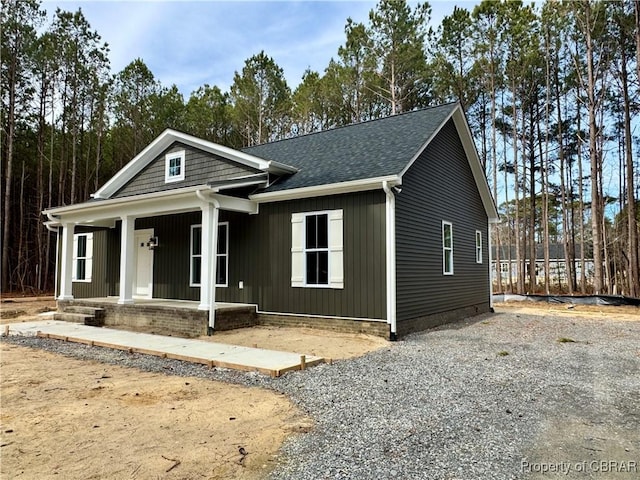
(174, 166)
(82, 257)
(447, 248)
(316, 249)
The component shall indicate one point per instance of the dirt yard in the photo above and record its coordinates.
(80, 419)
(333, 345)
(624, 313)
(24, 309)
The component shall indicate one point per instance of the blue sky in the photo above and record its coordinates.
(191, 43)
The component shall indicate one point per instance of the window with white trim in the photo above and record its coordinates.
(478, 246)
(195, 270)
(82, 257)
(447, 248)
(317, 249)
(222, 256)
(174, 166)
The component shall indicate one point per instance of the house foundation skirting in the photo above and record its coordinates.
(380, 328)
(164, 320)
(435, 320)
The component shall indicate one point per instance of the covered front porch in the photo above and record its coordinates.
(164, 316)
(133, 282)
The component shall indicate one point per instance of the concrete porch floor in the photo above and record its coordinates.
(268, 362)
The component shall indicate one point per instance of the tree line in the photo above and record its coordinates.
(551, 92)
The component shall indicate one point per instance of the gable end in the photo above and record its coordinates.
(198, 168)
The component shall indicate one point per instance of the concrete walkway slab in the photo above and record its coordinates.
(269, 362)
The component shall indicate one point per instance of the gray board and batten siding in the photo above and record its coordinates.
(200, 168)
(439, 186)
(260, 257)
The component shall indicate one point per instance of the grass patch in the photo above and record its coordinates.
(503, 353)
(566, 340)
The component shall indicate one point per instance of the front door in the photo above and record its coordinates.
(143, 273)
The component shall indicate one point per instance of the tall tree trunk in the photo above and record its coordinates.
(567, 220)
(517, 232)
(633, 270)
(40, 180)
(11, 123)
(533, 256)
(594, 157)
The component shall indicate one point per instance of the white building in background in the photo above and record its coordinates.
(557, 265)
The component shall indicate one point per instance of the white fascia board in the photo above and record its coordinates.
(476, 165)
(278, 168)
(101, 212)
(471, 152)
(329, 189)
(164, 140)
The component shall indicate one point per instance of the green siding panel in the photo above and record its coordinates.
(99, 285)
(260, 257)
(363, 295)
(439, 186)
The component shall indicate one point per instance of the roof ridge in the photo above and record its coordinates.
(339, 127)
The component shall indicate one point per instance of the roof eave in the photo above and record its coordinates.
(327, 189)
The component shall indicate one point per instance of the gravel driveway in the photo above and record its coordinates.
(498, 396)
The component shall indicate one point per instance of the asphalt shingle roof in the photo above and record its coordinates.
(363, 150)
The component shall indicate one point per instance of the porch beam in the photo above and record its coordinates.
(66, 265)
(126, 260)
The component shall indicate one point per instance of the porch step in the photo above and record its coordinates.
(94, 311)
(72, 317)
(80, 314)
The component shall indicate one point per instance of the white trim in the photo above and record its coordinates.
(306, 250)
(191, 256)
(88, 257)
(462, 126)
(479, 247)
(165, 140)
(328, 189)
(226, 255)
(145, 233)
(378, 320)
(178, 155)
(445, 249)
(127, 235)
(66, 262)
(390, 257)
(147, 205)
(334, 249)
(490, 264)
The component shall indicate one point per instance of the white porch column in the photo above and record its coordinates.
(210, 208)
(66, 265)
(206, 249)
(126, 260)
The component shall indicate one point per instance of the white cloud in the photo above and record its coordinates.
(193, 43)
